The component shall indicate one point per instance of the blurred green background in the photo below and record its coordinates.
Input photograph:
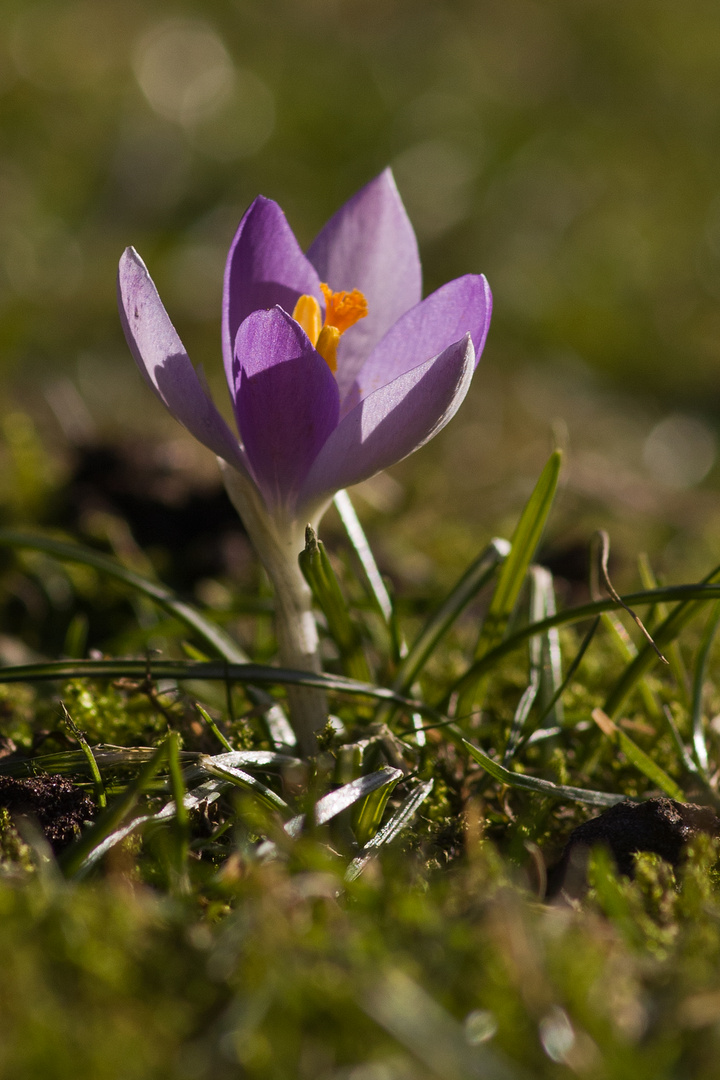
(567, 149)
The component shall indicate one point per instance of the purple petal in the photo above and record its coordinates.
(161, 357)
(462, 306)
(391, 423)
(265, 266)
(286, 402)
(369, 244)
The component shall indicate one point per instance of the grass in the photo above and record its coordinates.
(377, 911)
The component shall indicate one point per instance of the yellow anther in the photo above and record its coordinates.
(327, 345)
(307, 313)
(343, 309)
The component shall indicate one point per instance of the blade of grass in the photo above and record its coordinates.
(435, 1039)
(706, 643)
(336, 801)
(75, 856)
(552, 676)
(667, 632)
(370, 813)
(395, 824)
(76, 635)
(100, 796)
(524, 543)
(378, 589)
(677, 666)
(242, 779)
(259, 759)
(212, 670)
(213, 727)
(182, 818)
(575, 664)
(637, 757)
(239, 759)
(542, 787)
(206, 630)
(540, 583)
(521, 714)
(472, 581)
(205, 793)
(687, 759)
(359, 541)
(625, 646)
(332, 804)
(111, 757)
(702, 593)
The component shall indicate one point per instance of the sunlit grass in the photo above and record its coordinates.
(378, 909)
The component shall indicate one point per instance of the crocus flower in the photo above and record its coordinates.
(336, 367)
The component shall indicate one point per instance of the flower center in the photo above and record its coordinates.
(342, 310)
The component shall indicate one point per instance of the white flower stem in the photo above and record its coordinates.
(278, 546)
(298, 647)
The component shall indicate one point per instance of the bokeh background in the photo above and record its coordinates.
(569, 149)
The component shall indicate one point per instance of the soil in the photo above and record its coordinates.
(662, 826)
(194, 524)
(58, 806)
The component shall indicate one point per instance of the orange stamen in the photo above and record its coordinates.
(343, 309)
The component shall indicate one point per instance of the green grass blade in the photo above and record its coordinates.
(75, 857)
(472, 581)
(257, 759)
(100, 795)
(642, 762)
(524, 544)
(699, 744)
(627, 649)
(542, 603)
(674, 656)
(359, 541)
(320, 576)
(205, 629)
(541, 787)
(242, 779)
(651, 769)
(435, 1039)
(204, 793)
(664, 635)
(213, 670)
(332, 804)
(703, 592)
(521, 714)
(370, 813)
(336, 801)
(689, 763)
(395, 824)
(214, 728)
(551, 676)
(574, 665)
(182, 817)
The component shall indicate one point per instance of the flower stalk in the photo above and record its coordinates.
(278, 544)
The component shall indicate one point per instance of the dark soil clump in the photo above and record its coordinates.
(59, 808)
(662, 826)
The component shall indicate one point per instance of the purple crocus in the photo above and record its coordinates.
(307, 431)
(336, 368)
